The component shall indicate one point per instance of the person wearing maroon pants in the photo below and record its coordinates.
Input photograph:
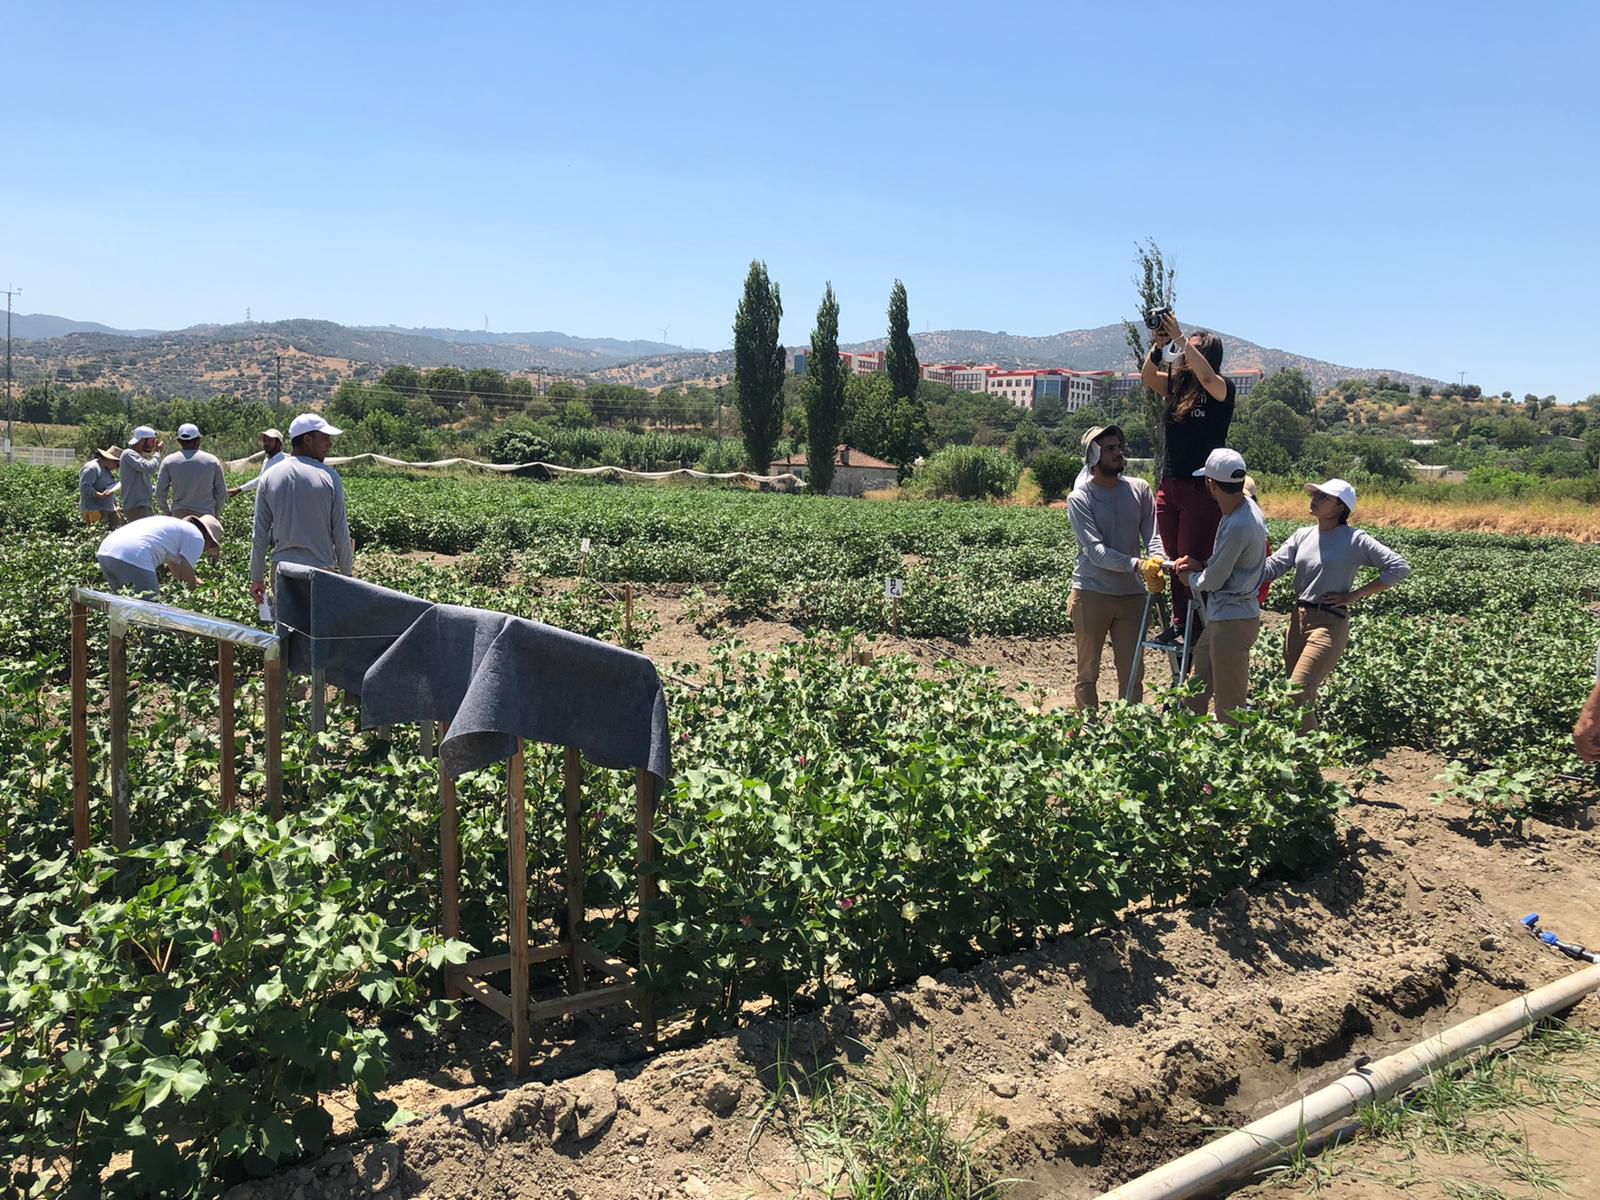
(1199, 409)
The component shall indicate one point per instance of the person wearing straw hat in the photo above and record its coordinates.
(97, 488)
(1226, 585)
(1326, 558)
(139, 465)
(272, 450)
(1113, 519)
(130, 556)
(190, 483)
(300, 511)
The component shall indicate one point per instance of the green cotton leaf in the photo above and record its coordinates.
(73, 1060)
(278, 1140)
(269, 992)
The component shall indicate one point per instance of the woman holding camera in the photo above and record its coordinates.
(1326, 558)
(1197, 412)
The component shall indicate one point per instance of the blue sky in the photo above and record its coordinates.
(1387, 185)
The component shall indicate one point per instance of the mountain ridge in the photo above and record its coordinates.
(201, 358)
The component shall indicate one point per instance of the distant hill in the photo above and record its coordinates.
(543, 340)
(1103, 349)
(316, 355)
(33, 326)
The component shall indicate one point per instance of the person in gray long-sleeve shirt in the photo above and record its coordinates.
(300, 510)
(140, 464)
(1227, 584)
(190, 483)
(1326, 558)
(97, 489)
(1113, 519)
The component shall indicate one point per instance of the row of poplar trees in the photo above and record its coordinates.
(759, 365)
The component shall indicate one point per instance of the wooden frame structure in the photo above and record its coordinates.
(124, 612)
(466, 980)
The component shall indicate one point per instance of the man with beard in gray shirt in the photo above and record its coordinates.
(1113, 520)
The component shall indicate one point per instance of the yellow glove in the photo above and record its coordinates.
(1155, 575)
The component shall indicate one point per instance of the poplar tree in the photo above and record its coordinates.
(824, 395)
(900, 359)
(758, 367)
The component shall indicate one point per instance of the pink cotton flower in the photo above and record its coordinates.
(847, 904)
(216, 937)
(1209, 790)
(747, 920)
(802, 760)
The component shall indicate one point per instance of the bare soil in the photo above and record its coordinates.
(1095, 1058)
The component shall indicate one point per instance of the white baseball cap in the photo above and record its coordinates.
(1341, 491)
(275, 434)
(188, 432)
(139, 435)
(311, 423)
(1223, 465)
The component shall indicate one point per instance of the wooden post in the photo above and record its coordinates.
(646, 822)
(449, 866)
(80, 727)
(627, 614)
(230, 789)
(121, 786)
(572, 777)
(517, 924)
(272, 719)
(319, 704)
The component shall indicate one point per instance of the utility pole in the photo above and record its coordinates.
(11, 291)
(277, 391)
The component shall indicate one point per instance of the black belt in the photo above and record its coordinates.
(1342, 614)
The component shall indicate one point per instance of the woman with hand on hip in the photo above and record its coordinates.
(1198, 408)
(1326, 558)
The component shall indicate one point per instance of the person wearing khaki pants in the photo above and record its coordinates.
(1227, 584)
(1326, 558)
(1095, 617)
(1112, 519)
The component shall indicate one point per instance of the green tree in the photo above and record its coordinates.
(1292, 387)
(758, 367)
(890, 427)
(1273, 422)
(486, 382)
(1055, 471)
(1155, 280)
(825, 407)
(447, 385)
(900, 358)
(402, 378)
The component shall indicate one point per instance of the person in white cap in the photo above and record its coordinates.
(1326, 558)
(130, 557)
(272, 449)
(140, 463)
(1226, 584)
(97, 488)
(190, 483)
(1113, 519)
(300, 513)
